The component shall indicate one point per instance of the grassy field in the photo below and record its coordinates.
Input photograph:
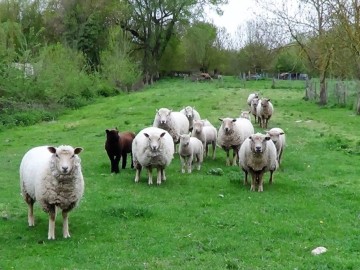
(198, 220)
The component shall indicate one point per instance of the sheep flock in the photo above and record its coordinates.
(53, 175)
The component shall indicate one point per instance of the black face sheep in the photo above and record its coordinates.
(52, 176)
(152, 148)
(232, 133)
(117, 146)
(257, 155)
(264, 111)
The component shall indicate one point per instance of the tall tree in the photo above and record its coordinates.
(152, 23)
(308, 23)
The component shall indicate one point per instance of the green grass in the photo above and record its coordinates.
(198, 220)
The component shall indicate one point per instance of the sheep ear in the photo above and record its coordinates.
(282, 133)
(107, 131)
(267, 137)
(234, 120)
(52, 149)
(268, 99)
(162, 134)
(221, 119)
(146, 135)
(78, 150)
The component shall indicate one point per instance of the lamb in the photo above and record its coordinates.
(232, 133)
(251, 97)
(245, 114)
(152, 148)
(257, 155)
(52, 176)
(175, 123)
(253, 106)
(190, 148)
(191, 115)
(264, 111)
(207, 134)
(117, 146)
(277, 135)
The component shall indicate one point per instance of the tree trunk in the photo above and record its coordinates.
(323, 90)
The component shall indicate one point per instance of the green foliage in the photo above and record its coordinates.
(117, 65)
(197, 220)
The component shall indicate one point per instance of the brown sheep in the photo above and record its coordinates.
(118, 145)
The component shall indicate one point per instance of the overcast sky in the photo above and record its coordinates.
(236, 13)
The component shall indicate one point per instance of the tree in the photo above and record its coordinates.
(199, 41)
(308, 23)
(152, 23)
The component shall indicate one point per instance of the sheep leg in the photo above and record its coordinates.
(253, 181)
(199, 160)
(227, 157)
(235, 155)
(189, 163)
(213, 149)
(66, 233)
(206, 149)
(158, 179)
(137, 174)
(30, 201)
(52, 217)
(182, 160)
(271, 177)
(149, 170)
(260, 179)
(123, 157)
(279, 157)
(163, 176)
(246, 177)
(132, 161)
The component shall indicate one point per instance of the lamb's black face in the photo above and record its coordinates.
(112, 134)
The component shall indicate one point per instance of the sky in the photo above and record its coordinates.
(236, 13)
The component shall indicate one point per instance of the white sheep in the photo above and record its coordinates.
(52, 176)
(207, 134)
(232, 133)
(257, 155)
(175, 123)
(191, 115)
(277, 135)
(251, 97)
(152, 148)
(253, 107)
(245, 114)
(264, 111)
(190, 149)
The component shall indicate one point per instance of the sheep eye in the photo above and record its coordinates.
(73, 156)
(56, 155)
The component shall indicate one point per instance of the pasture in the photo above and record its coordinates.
(201, 220)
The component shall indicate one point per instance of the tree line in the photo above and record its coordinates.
(83, 48)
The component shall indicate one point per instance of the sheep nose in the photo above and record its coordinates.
(258, 148)
(162, 122)
(65, 168)
(226, 129)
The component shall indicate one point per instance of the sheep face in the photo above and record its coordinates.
(154, 141)
(189, 112)
(275, 135)
(258, 142)
(228, 125)
(112, 135)
(64, 158)
(245, 114)
(185, 140)
(265, 103)
(254, 102)
(163, 115)
(198, 126)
